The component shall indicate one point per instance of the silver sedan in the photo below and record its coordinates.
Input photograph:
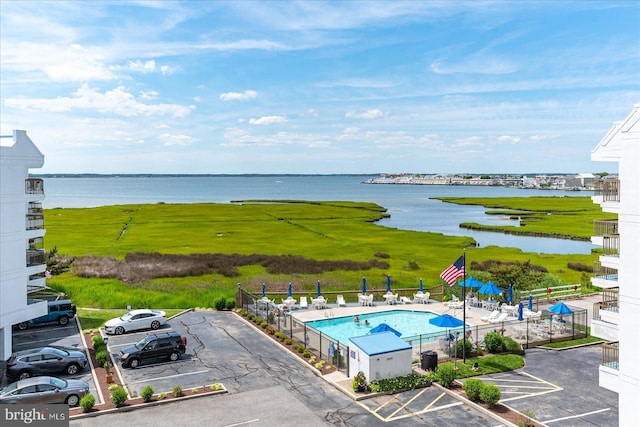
(135, 320)
(44, 390)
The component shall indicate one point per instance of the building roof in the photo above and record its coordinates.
(379, 343)
(626, 131)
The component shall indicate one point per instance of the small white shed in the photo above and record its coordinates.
(380, 355)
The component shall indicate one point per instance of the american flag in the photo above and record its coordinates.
(454, 271)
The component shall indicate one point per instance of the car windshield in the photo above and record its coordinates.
(140, 344)
(59, 352)
(8, 388)
(58, 382)
(126, 317)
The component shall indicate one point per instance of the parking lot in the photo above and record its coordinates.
(55, 335)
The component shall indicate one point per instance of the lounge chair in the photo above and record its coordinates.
(501, 318)
(319, 302)
(422, 298)
(303, 303)
(405, 300)
(341, 302)
(490, 317)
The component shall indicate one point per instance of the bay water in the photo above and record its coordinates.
(411, 206)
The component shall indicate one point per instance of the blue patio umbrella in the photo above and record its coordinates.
(388, 283)
(520, 308)
(489, 289)
(560, 308)
(290, 291)
(318, 288)
(530, 303)
(383, 327)
(264, 288)
(446, 321)
(420, 285)
(510, 294)
(471, 282)
(364, 286)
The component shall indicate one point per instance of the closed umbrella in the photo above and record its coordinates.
(383, 327)
(520, 308)
(290, 291)
(318, 288)
(364, 286)
(510, 294)
(264, 288)
(332, 349)
(388, 283)
(530, 303)
(420, 285)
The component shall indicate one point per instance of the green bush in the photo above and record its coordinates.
(490, 394)
(511, 345)
(446, 375)
(147, 393)
(220, 304)
(472, 387)
(468, 347)
(87, 402)
(101, 357)
(231, 304)
(493, 342)
(118, 396)
(359, 380)
(177, 391)
(306, 354)
(409, 382)
(98, 343)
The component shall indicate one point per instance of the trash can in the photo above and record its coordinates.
(429, 361)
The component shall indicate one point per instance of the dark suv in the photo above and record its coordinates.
(168, 345)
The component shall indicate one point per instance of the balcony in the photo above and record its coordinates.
(36, 283)
(607, 190)
(35, 257)
(603, 276)
(34, 186)
(608, 373)
(35, 216)
(610, 355)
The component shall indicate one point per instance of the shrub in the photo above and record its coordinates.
(177, 391)
(162, 395)
(231, 304)
(87, 402)
(220, 304)
(511, 345)
(468, 347)
(359, 381)
(306, 354)
(288, 341)
(493, 342)
(118, 396)
(490, 394)
(526, 419)
(279, 335)
(98, 341)
(101, 357)
(472, 388)
(296, 347)
(250, 316)
(271, 330)
(147, 393)
(264, 325)
(215, 387)
(409, 382)
(446, 375)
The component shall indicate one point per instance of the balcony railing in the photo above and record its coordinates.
(34, 186)
(35, 257)
(604, 306)
(608, 189)
(611, 245)
(604, 273)
(607, 227)
(610, 355)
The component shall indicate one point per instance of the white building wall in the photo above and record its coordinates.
(17, 155)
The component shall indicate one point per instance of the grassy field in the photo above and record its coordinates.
(315, 230)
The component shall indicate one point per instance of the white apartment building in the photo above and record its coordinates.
(22, 256)
(617, 317)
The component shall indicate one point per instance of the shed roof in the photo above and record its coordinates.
(379, 343)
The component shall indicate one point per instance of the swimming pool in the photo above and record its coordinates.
(409, 323)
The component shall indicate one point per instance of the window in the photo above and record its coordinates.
(46, 387)
(27, 390)
(31, 359)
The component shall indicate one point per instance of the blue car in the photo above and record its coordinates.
(59, 311)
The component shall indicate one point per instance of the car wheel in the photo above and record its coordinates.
(63, 320)
(24, 375)
(72, 369)
(119, 330)
(73, 400)
(155, 324)
(174, 356)
(134, 363)
(22, 326)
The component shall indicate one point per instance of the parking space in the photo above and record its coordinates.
(67, 336)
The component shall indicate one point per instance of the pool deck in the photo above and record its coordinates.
(354, 309)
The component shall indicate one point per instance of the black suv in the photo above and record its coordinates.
(168, 345)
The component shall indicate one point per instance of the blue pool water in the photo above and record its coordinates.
(409, 323)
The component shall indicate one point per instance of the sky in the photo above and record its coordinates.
(318, 87)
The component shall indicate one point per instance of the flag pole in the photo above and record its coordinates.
(464, 307)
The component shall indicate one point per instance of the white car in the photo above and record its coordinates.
(134, 320)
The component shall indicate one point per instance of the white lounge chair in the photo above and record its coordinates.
(319, 302)
(341, 302)
(405, 300)
(501, 318)
(303, 303)
(422, 298)
(490, 317)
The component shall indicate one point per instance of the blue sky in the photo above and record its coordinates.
(318, 87)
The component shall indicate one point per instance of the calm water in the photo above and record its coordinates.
(408, 323)
(410, 206)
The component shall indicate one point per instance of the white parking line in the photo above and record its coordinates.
(578, 416)
(29, 343)
(243, 423)
(168, 376)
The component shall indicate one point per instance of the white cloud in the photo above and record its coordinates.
(148, 94)
(169, 139)
(508, 139)
(368, 115)
(239, 137)
(116, 101)
(267, 120)
(247, 95)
